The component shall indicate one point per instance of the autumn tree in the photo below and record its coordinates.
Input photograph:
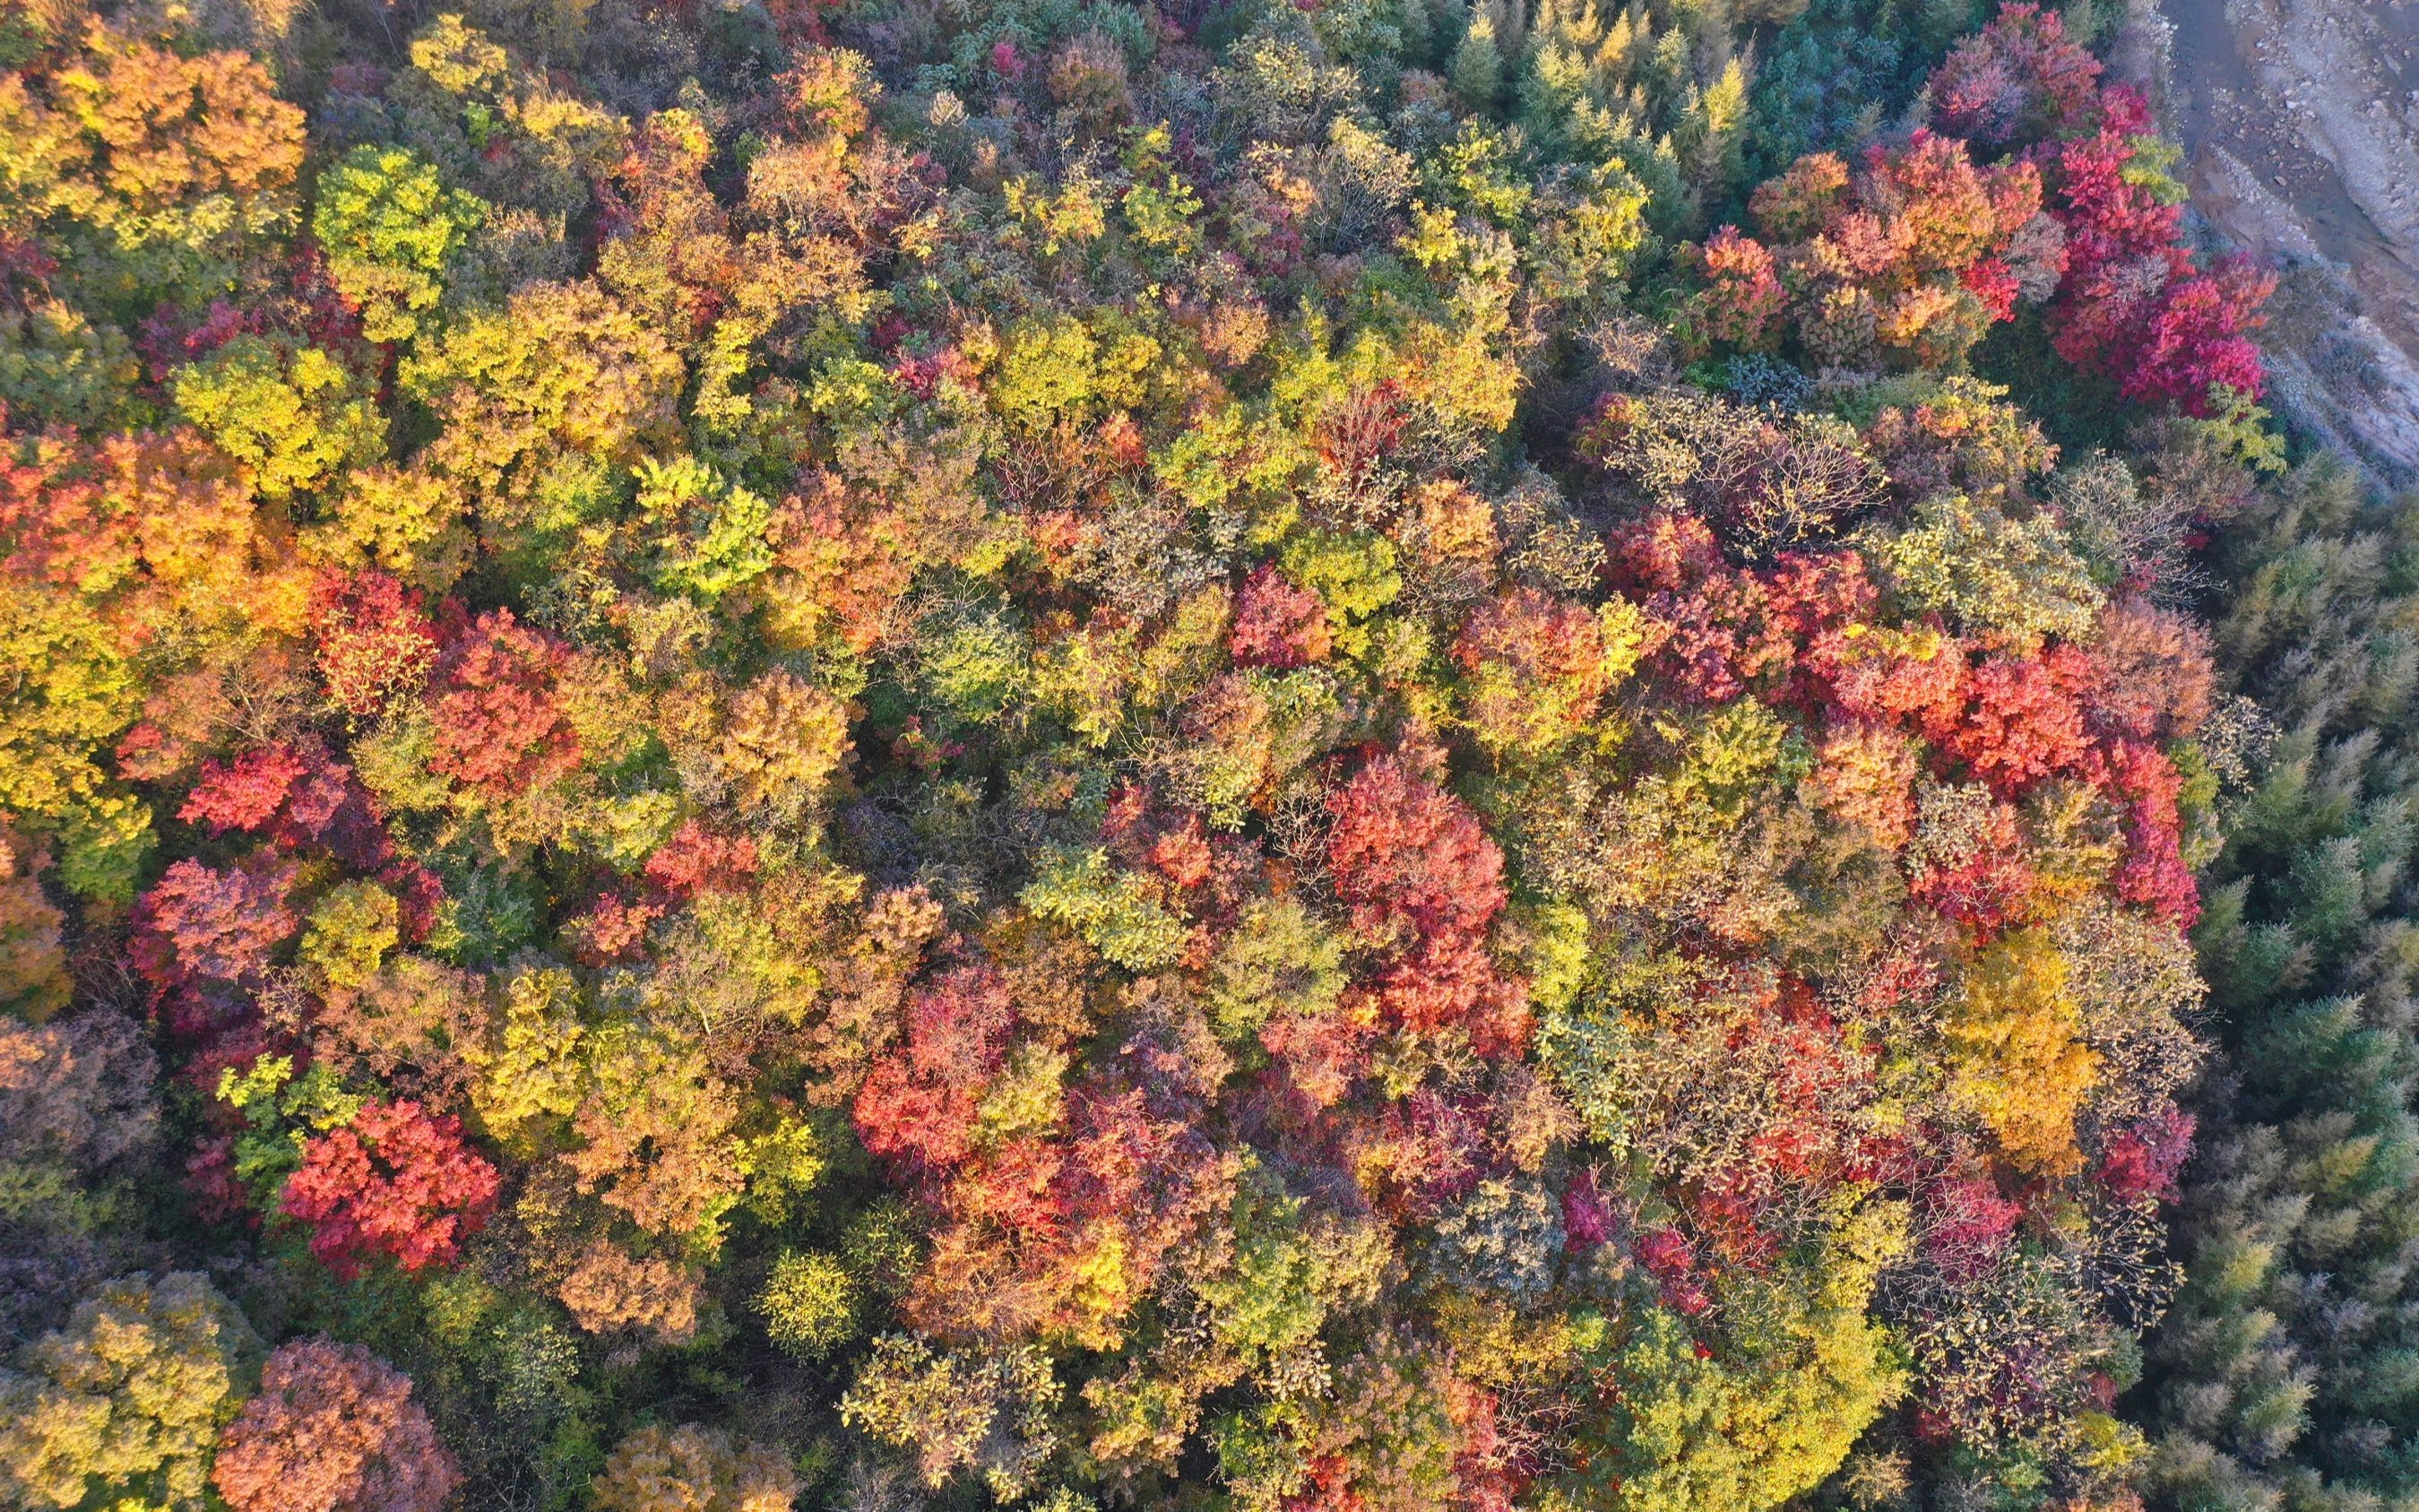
(696, 1470)
(394, 1180)
(389, 226)
(332, 1429)
(498, 726)
(126, 1402)
(157, 167)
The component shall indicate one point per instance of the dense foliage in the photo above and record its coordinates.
(2282, 1378)
(1311, 758)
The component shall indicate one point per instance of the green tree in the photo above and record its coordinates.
(388, 226)
(1772, 1410)
(293, 414)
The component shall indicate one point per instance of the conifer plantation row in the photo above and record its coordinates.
(1229, 755)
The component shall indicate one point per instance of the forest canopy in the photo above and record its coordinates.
(1345, 756)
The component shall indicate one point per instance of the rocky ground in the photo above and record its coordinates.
(2301, 121)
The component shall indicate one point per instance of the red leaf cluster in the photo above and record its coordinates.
(918, 1104)
(2131, 304)
(370, 638)
(200, 926)
(1716, 629)
(333, 1429)
(2142, 1162)
(1423, 880)
(1743, 296)
(700, 859)
(2019, 79)
(1276, 624)
(1966, 1225)
(397, 1181)
(1672, 1261)
(499, 727)
(294, 796)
